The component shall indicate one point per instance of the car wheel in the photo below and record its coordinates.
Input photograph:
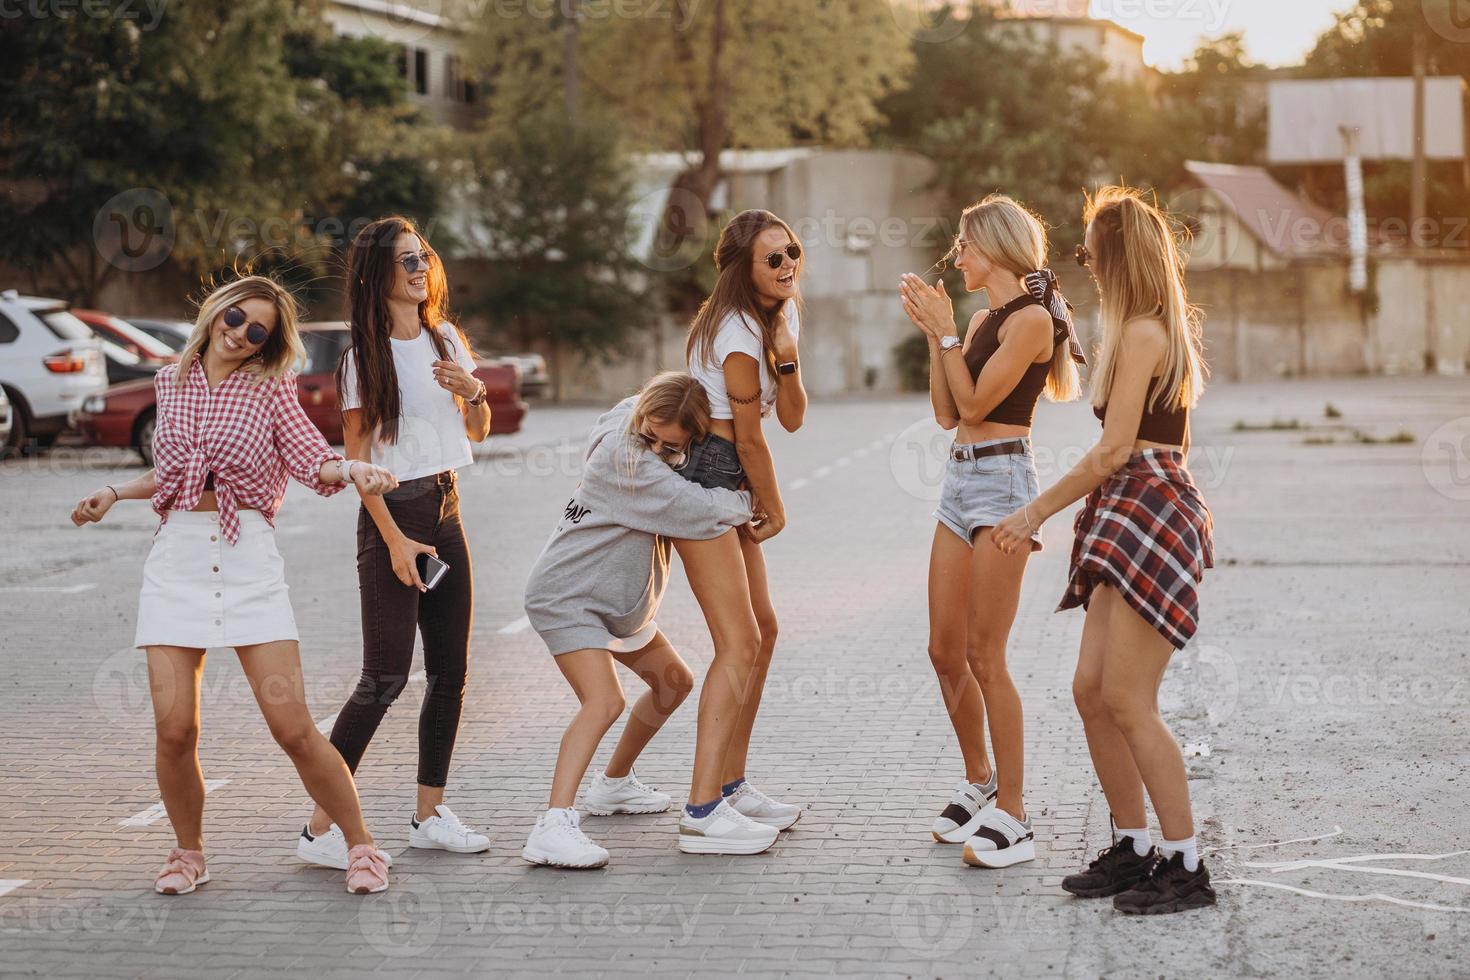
(145, 438)
(19, 427)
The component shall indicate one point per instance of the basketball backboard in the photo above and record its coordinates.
(1307, 116)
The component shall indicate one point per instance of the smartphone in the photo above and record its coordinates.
(431, 570)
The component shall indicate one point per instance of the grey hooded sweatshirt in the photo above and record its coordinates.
(602, 575)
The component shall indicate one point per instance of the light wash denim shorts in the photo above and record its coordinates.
(981, 492)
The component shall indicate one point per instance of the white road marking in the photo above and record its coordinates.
(156, 812)
(1372, 897)
(821, 471)
(55, 589)
(798, 483)
(1336, 830)
(515, 627)
(841, 461)
(8, 885)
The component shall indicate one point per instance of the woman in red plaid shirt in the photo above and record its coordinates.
(230, 430)
(1143, 541)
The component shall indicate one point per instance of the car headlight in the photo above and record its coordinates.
(95, 404)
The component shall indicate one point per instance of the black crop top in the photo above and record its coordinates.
(1017, 407)
(1167, 426)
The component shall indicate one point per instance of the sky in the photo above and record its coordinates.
(1277, 32)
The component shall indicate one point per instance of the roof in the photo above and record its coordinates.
(1281, 220)
(1098, 22)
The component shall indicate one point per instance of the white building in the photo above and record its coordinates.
(1065, 23)
(428, 52)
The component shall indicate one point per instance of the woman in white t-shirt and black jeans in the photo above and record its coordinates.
(410, 402)
(742, 349)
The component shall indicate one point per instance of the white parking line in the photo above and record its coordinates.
(156, 812)
(798, 483)
(514, 627)
(55, 589)
(8, 885)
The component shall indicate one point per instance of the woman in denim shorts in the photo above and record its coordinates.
(986, 387)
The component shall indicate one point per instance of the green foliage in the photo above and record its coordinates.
(554, 197)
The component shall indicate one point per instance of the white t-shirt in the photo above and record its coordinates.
(738, 334)
(431, 436)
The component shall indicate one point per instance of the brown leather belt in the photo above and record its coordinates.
(1008, 448)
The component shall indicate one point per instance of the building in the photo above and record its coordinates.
(428, 52)
(1065, 23)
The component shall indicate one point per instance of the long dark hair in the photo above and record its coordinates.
(370, 272)
(734, 291)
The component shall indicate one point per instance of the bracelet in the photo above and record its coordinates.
(480, 396)
(344, 466)
(115, 495)
(1026, 512)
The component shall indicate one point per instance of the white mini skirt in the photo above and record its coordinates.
(200, 591)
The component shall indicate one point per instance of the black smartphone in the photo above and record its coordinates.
(431, 570)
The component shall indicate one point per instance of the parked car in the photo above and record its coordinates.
(124, 414)
(126, 335)
(4, 418)
(50, 363)
(173, 333)
(534, 377)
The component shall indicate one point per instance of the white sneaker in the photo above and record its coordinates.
(1001, 841)
(557, 840)
(725, 831)
(967, 807)
(762, 809)
(629, 794)
(444, 832)
(328, 850)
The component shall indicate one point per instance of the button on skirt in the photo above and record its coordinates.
(200, 591)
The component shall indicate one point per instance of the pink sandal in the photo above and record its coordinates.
(182, 872)
(367, 870)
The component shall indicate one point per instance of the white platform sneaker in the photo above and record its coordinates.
(628, 794)
(1001, 841)
(557, 841)
(762, 809)
(725, 831)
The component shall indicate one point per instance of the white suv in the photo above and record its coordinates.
(50, 362)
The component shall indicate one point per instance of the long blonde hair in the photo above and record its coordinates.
(1140, 273)
(1011, 236)
(734, 291)
(282, 350)
(669, 397)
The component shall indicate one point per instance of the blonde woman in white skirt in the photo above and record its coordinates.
(229, 432)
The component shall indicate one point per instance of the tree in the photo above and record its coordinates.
(703, 75)
(552, 197)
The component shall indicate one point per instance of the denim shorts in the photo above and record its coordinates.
(713, 462)
(979, 493)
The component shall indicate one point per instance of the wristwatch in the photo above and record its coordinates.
(949, 343)
(786, 367)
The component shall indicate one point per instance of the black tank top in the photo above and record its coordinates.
(1166, 425)
(1017, 407)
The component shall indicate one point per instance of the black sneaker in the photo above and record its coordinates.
(1168, 888)
(1116, 869)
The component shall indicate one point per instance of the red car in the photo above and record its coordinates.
(123, 414)
(128, 337)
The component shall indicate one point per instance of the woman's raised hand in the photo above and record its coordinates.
(929, 307)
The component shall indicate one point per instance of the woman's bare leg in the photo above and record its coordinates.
(173, 680)
(949, 602)
(1137, 656)
(716, 573)
(1112, 759)
(995, 591)
(274, 672)
(669, 682)
(765, 619)
(595, 682)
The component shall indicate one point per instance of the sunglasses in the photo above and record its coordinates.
(255, 334)
(776, 258)
(1083, 256)
(672, 455)
(413, 262)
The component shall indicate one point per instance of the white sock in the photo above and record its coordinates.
(1142, 840)
(1186, 847)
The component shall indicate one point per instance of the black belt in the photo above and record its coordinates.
(1008, 448)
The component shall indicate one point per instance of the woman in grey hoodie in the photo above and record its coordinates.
(594, 591)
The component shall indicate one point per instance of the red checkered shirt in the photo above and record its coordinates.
(251, 433)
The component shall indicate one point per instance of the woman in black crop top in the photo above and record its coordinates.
(986, 388)
(1143, 541)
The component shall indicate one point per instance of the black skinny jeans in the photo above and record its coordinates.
(426, 511)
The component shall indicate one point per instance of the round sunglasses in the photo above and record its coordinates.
(776, 258)
(255, 334)
(414, 261)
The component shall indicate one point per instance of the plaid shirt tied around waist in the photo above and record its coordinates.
(1147, 532)
(250, 432)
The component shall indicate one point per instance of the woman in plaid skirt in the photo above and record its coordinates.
(1143, 541)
